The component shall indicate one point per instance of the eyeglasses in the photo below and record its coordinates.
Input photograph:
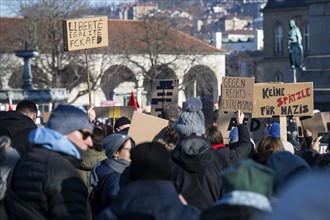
(85, 134)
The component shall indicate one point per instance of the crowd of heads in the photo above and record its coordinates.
(211, 179)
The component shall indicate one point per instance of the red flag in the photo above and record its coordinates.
(10, 104)
(133, 102)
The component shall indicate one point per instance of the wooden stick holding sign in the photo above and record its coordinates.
(85, 33)
(88, 81)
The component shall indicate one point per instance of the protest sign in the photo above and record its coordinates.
(237, 93)
(279, 99)
(85, 33)
(145, 127)
(228, 120)
(163, 91)
(317, 123)
(114, 111)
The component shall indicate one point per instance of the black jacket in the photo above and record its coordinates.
(17, 126)
(239, 150)
(46, 185)
(196, 171)
(149, 199)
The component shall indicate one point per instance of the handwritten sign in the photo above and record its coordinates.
(163, 91)
(279, 99)
(114, 111)
(85, 33)
(228, 120)
(145, 127)
(237, 93)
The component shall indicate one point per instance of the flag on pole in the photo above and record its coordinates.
(10, 104)
(133, 102)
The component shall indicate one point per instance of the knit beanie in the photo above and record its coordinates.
(250, 176)
(68, 118)
(233, 135)
(150, 161)
(121, 121)
(274, 130)
(191, 120)
(112, 143)
(170, 112)
(286, 166)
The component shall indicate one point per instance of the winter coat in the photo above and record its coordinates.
(90, 160)
(238, 150)
(17, 126)
(45, 183)
(9, 162)
(196, 171)
(111, 169)
(149, 199)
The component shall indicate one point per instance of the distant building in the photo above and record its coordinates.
(198, 66)
(137, 11)
(312, 18)
(233, 22)
(239, 40)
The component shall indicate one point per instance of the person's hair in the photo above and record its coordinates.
(123, 144)
(27, 107)
(269, 145)
(214, 135)
(98, 136)
(5, 143)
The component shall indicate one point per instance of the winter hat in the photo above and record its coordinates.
(68, 118)
(233, 135)
(274, 130)
(121, 121)
(170, 112)
(112, 143)
(150, 161)
(286, 167)
(191, 120)
(250, 176)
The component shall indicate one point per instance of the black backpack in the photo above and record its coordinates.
(95, 196)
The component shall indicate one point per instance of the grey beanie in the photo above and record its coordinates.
(191, 120)
(68, 118)
(112, 143)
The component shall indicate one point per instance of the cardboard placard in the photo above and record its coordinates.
(114, 111)
(279, 99)
(317, 123)
(85, 33)
(237, 93)
(256, 126)
(145, 127)
(163, 91)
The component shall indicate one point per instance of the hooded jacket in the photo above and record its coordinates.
(196, 171)
(17, 126)
(45, 183)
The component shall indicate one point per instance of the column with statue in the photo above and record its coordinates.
(295, 48)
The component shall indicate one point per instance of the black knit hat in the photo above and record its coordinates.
(121, 121)
(150, 161)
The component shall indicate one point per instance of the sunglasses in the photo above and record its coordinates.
(85, 134)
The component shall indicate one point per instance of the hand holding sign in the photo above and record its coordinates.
(240, 117)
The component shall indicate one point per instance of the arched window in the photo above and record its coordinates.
(306, 37)
(278, 39)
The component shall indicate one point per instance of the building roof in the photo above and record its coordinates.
(125, 36)
(280, 4)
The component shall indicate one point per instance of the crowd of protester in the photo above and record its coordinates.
(77, 166)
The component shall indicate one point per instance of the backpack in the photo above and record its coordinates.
(95, 196)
